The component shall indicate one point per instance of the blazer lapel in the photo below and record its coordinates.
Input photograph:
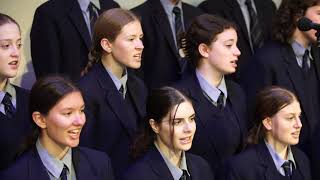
(161, 20)
(236, 12)
(266, 162)
(158, 165)
(300, 161)
(206, 114)
(315, 54)
(294, 74)
(82, 167)
(78, 20)
(136, 95)
(36, 168)
(232, 96)
(114, 99)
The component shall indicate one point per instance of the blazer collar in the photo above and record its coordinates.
(115, 100)
(77, 19)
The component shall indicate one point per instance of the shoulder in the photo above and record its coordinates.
(191, 9)
(96, 158)
(197, 161)
(21, 91)
(140, 169)
(143, 9)
(20, 165)
(50, 8)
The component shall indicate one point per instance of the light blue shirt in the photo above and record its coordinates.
(85, 11)
(211, 91)
(55, 166)
(278, 161)
(168, 7)
(299, 50)
(12, 91)
(175, 171)
(118, 82)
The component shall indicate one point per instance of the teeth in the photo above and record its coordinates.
(75, 131)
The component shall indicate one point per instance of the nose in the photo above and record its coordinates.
(298, 123)
(15, 51)
(189, 126)
(139, 44)
(237, 52)
(79, 119)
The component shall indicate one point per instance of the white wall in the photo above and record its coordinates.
(23, 10)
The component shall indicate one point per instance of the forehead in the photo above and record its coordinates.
(72, 99)
(185, 109)
(9, 31)
(131, 28)
(227, 34)
(294, 107)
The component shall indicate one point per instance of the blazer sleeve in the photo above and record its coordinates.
(45, 47)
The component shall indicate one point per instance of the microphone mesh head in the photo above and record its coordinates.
(304, 24)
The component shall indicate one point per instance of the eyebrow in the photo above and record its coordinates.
(194, 114)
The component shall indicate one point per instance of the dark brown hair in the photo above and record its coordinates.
(269, 102)
(160, 103)
(108, 25)
(289, 12)
(204, 29)
(5, 19)
(44, 95)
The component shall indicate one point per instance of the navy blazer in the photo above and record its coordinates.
(208, 137)
(59, 26)
(108, 127)
(160, 58)
(13, 131)
(230, 9)
(256, 163)
(87, 163)
(152, 166)
(276, 64)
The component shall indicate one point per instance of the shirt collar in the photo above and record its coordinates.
(211, 91)
(175, 171)
(53, 165)
(118, 82)
(168, 6)
(299, 50)
(278, 161)
(85, 3)
(9, 88)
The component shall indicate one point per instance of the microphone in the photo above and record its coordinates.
(305, 24)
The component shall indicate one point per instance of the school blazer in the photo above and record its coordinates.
(208, 136)
(109, 128)
(256, 163)
(88, 164)
(13, 131)
(160, 58)
(152, 166)
(60, 39)
(276, 64)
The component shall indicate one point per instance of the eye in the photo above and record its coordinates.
(5, 46)
(177, 122)
(19, 45)
(67, 113)
(193, 118)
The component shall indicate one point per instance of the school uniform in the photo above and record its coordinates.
(153, 166)
(88, 164)
(257, 163)
(220, 132)
(13, 130)
(112, 120)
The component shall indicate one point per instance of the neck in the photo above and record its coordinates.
(174, 156)
(53, 149)
(210, 74)
(3, 82)
(280, 148)
(174, 2)
(299, 37)
(113, 65)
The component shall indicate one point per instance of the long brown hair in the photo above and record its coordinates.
(269, 102)
(108, 25)
(160, 103)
